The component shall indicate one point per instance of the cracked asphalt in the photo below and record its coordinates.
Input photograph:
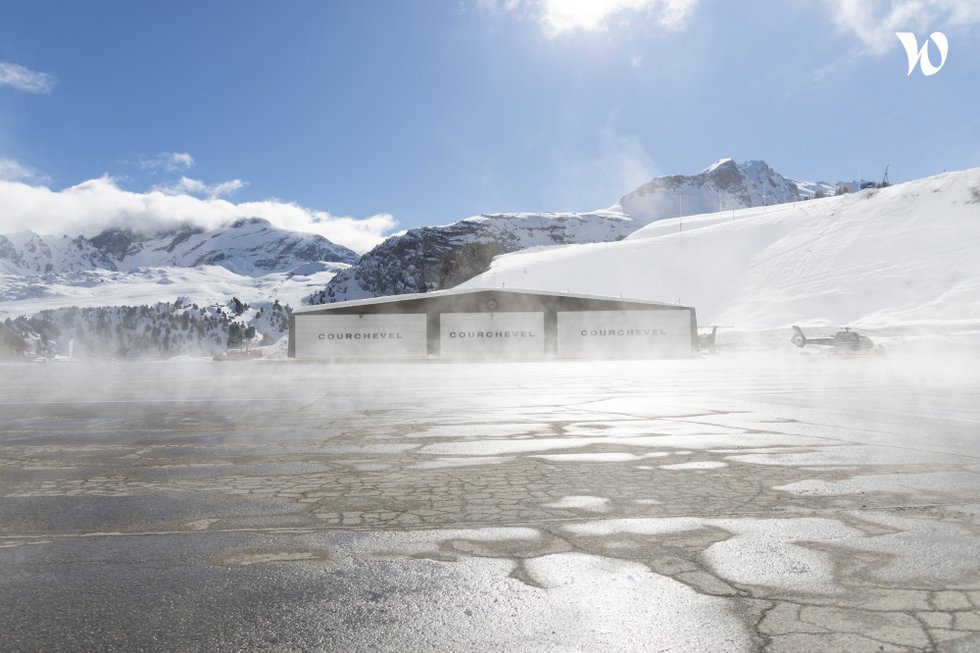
(734, 503)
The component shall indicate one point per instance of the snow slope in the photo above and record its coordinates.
(903, 255)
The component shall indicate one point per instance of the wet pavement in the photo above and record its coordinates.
(790, 503)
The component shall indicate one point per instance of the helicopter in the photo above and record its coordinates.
(844, 341)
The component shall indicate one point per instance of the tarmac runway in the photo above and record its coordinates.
(788, 503)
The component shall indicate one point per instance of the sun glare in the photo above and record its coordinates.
(566, 15)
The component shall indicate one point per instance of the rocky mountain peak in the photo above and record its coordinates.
(723, 185)
(116, 242)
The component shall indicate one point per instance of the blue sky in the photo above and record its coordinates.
(426, 112)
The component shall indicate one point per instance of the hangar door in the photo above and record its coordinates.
(491, 335)
(361, 336)
(624, 334)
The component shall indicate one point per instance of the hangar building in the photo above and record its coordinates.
(491, 324)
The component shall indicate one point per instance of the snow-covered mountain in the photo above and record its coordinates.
(250, 247)
(724, 185)
(120, 285)
(412, 261)
(905, 255)
(27, 253)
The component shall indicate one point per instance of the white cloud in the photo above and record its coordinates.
(201, 189)
(874, 22)
(558, 17)
(11, 170)
(674, 13)
(25, 79)
(590, 180)
(168, 162)
(97, 204)
(182, 159)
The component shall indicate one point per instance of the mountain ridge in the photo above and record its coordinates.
(248, 246)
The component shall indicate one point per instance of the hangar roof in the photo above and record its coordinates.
(435, 294)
